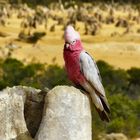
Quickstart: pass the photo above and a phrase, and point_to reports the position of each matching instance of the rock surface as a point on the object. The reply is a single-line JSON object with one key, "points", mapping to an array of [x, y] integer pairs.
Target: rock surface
{"points": [[113, 136], [18, 104], [67, 115]]}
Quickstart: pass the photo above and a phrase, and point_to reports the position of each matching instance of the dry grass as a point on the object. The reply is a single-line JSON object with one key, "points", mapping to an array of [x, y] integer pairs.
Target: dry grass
{"points": [[120, 50]]}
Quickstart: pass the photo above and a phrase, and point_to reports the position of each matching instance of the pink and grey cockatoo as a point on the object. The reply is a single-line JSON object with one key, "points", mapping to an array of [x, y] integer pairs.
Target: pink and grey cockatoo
{"points": [[83, 71]]}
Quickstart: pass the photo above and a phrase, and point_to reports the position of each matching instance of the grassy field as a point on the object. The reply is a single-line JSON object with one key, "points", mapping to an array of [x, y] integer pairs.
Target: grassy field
{"points": [[120, 50]]}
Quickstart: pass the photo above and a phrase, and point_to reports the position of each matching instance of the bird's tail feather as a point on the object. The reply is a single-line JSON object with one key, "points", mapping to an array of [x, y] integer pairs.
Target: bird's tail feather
{"points": [[101, 106], [103, 115], [105, 104]]}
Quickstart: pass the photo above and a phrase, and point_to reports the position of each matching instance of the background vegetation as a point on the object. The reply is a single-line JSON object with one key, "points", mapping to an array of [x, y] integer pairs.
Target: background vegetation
{"points": [[122, 88], [47, 2]]}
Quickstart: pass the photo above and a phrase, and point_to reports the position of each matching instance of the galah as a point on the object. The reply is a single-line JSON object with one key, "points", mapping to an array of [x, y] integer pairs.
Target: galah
{"points": [[83, 71]]}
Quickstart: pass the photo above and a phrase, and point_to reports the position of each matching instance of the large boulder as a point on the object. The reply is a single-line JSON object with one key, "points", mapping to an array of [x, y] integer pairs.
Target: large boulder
{"points": [[20, 112], [67, 115]]}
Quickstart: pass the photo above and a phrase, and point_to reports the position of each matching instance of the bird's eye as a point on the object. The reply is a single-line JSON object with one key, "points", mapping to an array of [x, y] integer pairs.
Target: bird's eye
{"points": [[73, 42]]}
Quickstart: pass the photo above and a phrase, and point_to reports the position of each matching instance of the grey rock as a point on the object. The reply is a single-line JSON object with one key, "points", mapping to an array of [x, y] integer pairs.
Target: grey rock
{"points": [[67, 115], [20, 112], [113, 136], [62, 114]]}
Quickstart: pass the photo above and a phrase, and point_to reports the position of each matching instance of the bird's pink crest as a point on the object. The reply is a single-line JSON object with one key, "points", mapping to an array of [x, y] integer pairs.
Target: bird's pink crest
{"points": [[70, 34]]}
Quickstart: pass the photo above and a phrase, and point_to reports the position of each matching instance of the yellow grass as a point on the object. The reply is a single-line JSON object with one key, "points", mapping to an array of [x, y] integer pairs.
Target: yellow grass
{"points": [[121, 51]]}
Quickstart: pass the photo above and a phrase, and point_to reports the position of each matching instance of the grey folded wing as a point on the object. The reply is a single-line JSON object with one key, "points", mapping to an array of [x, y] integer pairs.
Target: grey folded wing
{"points": [[90, 71]]}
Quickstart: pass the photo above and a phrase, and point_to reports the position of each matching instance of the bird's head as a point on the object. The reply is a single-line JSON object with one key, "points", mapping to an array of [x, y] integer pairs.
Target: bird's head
{"points": [[72, 38], [70, 35]]}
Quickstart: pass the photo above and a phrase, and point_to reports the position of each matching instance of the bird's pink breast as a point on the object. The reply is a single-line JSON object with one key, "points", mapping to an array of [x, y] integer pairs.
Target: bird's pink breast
{"points": [[72, 64]]}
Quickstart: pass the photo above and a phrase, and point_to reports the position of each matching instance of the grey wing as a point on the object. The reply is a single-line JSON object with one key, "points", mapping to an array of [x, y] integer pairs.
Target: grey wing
{"points": [[91, 72]]}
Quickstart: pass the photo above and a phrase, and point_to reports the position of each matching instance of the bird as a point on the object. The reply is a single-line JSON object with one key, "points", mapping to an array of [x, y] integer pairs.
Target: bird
{"points": [[82, 70]]}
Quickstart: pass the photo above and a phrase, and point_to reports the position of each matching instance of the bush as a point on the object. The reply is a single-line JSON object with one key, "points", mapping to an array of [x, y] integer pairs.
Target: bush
{"points": [[134, 76], [53, 76], [12, 72], [115, 81], [124, 115]]}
